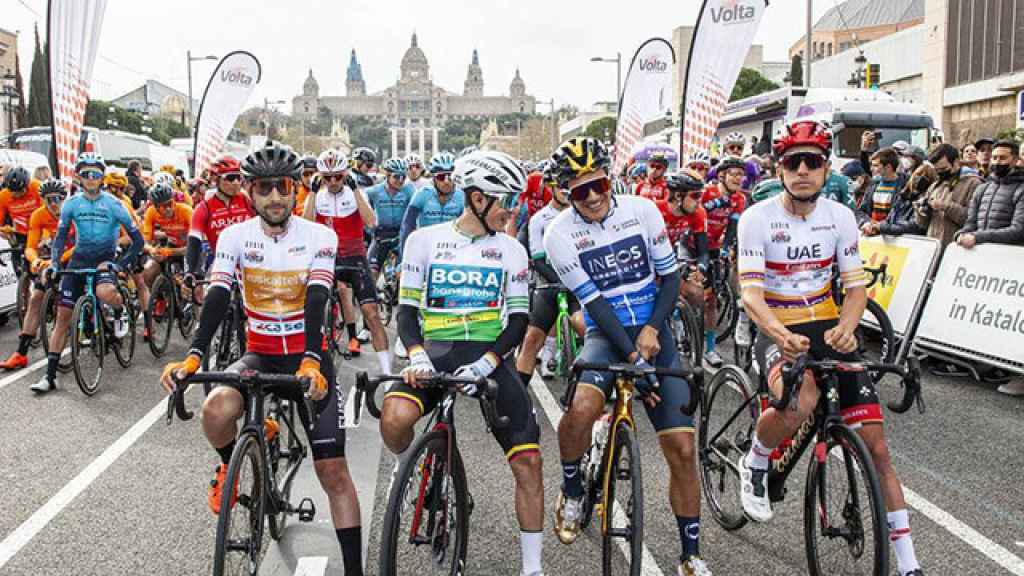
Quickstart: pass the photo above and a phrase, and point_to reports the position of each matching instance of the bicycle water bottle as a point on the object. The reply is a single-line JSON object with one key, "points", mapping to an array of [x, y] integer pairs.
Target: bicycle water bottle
{"points": [[599, 434]]}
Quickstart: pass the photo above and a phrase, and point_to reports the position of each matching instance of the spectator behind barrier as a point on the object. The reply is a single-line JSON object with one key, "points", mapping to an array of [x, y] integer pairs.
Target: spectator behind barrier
{"points": [[138, 191], [882, 192], [943, 211], [984, 147], [900, 219], [859, 180], [996, 211]]}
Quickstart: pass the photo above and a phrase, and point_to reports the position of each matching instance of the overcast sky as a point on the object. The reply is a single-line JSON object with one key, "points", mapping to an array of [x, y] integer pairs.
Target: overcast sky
{"points": [[550, 42]]}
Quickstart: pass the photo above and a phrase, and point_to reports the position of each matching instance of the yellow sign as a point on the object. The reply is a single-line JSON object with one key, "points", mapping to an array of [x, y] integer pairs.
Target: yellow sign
{"points": [[875, 254]]}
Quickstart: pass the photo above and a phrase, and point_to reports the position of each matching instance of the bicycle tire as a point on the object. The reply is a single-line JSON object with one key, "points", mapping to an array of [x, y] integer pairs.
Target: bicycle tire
{"points": [[47, 324], [83, 347], [728, 312], [432, 443], [253, 500], [861, 465], [187, 319], [160, 325], [876, 316], [283, 466], [632, 511], [689, 328], [124, 348], [717, 462], [24, 293], [567, 353]]}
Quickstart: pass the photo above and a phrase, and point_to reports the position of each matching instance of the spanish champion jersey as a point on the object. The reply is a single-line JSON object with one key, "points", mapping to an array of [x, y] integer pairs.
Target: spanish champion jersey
{"points": [[791, 258], [539, 223], [274, 274], [463, 286], [618, 258], [340, 213]]}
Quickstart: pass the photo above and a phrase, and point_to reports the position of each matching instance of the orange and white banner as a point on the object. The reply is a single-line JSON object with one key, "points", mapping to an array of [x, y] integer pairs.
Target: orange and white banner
{"points": [[725, 30], [229, 88], [646, 96], [73, 30]]}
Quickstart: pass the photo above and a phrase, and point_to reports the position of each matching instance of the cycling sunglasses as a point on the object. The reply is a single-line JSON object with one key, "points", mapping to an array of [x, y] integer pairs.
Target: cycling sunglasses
{"points": [[582, 192], [812, 160], [308, 173], [694, 195], [284, 186], [334, 177], [54, 199], [232, 177], [699, 167], [399, 177], [90, 174], [442, 177]]}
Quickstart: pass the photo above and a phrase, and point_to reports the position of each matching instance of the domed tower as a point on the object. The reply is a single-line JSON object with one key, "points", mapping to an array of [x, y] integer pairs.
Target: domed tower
{"points": [[474, 85], [518, 88], [415, 67], [354, 83], [310, 88]]}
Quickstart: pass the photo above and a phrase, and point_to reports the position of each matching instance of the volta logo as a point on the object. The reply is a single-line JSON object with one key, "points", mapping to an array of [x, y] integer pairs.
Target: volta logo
{"points": [[653, 64], [237, 76], [733, 12]]}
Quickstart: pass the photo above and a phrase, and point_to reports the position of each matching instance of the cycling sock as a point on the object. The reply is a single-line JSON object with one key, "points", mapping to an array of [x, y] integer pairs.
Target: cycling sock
{"points": [[384, 357], [709, 341], [351, 329], [24, 341], [525, 378], [572, 480], [351, 541], [531, 544], [225, 452], [689, 535], [52, 359], [758, 455], [902, 544]]}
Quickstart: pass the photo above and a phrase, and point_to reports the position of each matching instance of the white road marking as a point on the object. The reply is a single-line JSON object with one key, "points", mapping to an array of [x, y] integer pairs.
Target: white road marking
{"points": [[21, 536], [25, 371], [311, 566], [554, 414], [1021, 544]]}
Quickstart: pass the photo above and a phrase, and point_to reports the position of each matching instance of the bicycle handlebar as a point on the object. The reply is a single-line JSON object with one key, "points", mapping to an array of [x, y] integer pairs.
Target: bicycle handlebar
{"points": [[633, 371], [487, 393], [792, 376], [245, 380]]}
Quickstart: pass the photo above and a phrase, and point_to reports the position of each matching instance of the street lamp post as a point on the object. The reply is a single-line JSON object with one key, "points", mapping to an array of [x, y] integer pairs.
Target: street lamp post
{"points": [[266, 110], [618, 75], [191, 59]]}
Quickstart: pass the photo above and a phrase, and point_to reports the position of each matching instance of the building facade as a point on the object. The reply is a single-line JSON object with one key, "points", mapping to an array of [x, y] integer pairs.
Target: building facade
{"points": [[157, 99], [856, 22], [8, 69]]}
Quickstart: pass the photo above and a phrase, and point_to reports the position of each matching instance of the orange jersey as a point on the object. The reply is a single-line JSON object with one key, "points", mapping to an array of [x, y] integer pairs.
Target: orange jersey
{"points": [[42, 227], [300, 200], [20, 209], [176, 227]]}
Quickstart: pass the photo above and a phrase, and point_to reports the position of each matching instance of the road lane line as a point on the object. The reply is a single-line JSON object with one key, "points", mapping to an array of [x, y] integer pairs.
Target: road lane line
{"points": [[554, 414], [21, 536], [24, 372], [311, 566]]}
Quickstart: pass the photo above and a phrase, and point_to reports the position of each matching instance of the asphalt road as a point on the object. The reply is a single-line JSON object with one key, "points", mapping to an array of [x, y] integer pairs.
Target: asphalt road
{"points": [[102, 486]]}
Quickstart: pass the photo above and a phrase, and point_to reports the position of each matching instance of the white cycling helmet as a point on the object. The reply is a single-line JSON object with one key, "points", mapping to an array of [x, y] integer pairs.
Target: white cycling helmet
{"points": [[735, 138], [493, 173], [332, 161], [163, 178], [700, 157], [414, 160]]}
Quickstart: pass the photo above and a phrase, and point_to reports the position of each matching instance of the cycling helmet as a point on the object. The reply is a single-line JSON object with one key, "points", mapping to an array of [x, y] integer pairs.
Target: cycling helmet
{"points": [[442, 163], [17, 179], [577, 157], [619, 187], [332, 161], [395, 166], [364, 155], [529, 167], [90, 160], [115, 180], [658, 157], [273, 161], [225, 165], [163, 178], [413, 160], [639, 170], [735, 138], [731, 162], [467, 151], [684, 181], [700, 157], [53, 187], [804, 133], [160, 194], [496, 175], [308, 162]]}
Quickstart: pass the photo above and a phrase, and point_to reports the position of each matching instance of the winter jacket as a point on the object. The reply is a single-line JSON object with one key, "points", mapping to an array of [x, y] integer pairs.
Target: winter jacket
{"points": [[996, 212], [138, 191], [956, 194], [867, 204], [900, 219]]}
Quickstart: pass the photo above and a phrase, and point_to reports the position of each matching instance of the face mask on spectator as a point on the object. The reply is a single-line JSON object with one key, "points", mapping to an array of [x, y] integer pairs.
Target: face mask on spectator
{"points": [[944, 175], [1000, 170]]}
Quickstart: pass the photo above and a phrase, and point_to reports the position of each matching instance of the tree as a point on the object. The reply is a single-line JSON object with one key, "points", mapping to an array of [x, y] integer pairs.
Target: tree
{"points": [[751, 83], [20, 114], [101, 114], [603, 129], [38, 113], [796, 71]]}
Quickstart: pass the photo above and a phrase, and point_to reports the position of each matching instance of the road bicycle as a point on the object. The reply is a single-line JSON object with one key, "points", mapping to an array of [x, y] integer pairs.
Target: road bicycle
{"points": [[688, 326], [262, 467], [387, 282], [426, 523], [566, 346], [228, 342], [166, 306], [725, 296]]}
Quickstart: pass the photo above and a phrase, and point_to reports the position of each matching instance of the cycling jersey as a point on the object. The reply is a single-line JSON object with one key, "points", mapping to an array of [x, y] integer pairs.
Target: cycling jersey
{"points": [[752, 174], [274, 274], [420, 183], [176, 227], [98, 224], [214, 215], [431, 211], [20, 209], [539, 223], [464, 287], [718, 219], [389, 206], [362, 180], [340, 212], [837, 187], [791, 258], [42, 228], [617, 258], [301, 194], [682, 228], [656, 191]]}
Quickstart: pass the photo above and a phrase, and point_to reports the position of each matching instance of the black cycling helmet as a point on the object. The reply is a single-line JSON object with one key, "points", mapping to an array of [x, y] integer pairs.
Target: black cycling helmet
{"points": [[683, 182], [273, 161], [160, 193], [52, 187], [16, 179], [309, 162], [364, 155], [731, 162]]}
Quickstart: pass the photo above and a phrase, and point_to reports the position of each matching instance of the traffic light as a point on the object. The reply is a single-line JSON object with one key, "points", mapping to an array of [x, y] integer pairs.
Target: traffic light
{"points": [[872, 76]]}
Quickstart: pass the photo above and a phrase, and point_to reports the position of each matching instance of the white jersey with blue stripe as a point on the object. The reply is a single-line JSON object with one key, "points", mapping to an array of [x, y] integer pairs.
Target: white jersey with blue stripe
{"points": [[618, 258]]}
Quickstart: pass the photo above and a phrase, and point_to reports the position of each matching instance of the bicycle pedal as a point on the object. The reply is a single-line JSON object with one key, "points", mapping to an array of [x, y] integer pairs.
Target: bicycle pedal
{"points": [[306, 510]]}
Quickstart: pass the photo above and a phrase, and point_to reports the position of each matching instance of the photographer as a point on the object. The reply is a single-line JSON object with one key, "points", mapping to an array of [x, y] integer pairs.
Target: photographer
{"points": [[943, 210]]}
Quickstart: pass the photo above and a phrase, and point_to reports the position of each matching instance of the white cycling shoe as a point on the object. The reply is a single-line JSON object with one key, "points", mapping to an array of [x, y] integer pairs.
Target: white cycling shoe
{"points": [[43, 386], [754, 492]]}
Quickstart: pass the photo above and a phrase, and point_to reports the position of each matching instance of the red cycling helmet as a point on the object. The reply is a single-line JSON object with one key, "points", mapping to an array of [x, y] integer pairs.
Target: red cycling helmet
{"points": [[804, 133], [226, 165]]}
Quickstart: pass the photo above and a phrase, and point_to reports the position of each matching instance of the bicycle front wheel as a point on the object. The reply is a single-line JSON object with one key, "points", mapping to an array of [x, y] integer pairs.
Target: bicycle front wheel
{"points": [[845, 527], [124, 348], [87, 345], [567, 353], [728, 311], [47, 325], [239, 547], [161, 315], [623, 508], [284, 454], [426, 526]]}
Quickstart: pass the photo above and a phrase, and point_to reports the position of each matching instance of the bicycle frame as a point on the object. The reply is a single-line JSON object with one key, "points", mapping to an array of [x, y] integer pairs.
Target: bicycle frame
{"points": [[622, 414], [563, 313]]}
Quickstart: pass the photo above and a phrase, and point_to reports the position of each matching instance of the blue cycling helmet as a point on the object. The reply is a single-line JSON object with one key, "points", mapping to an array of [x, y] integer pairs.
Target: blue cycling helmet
{"points": [[442, 163], [395, 166], [90, 160], [638, 171]]}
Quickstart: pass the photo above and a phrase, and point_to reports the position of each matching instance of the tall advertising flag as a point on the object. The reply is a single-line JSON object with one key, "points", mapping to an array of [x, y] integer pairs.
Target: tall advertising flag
{"points": [[725, 30], [73, 31], [229, 88], [647, 96]]}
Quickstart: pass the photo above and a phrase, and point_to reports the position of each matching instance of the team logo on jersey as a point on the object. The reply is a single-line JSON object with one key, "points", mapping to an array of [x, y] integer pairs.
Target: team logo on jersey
{"points": [[256, 245], [584, 243], [491, 254], [444, 255], [624, 262], [803, 252], [781, 237], [327, 252], [522, 275], [464, 287], [254, 256], [297, 250], [851, 250], [661, 238]]}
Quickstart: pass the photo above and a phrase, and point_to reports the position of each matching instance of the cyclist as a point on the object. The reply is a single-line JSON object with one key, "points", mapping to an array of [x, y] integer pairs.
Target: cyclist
{"points": [[544, 305], [700, 163], [687, 223], [42, 227], [787, 247], [306, 183], [415, 172], [345, 209], [363, 160], [653, 188], [98, 219], [837, 188], [389, 201], [117, 185], [461, 276], [611, 251], [734, 144], [225, 205], [637, 175], [286, 265], [724, 201], [165, 228], [18, 200], [440, 202]]}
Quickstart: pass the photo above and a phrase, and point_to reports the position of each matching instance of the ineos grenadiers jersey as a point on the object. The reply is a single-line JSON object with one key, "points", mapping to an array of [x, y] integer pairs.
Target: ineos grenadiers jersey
{"points": [[274, 274], [539, 223], [464, 287], [618, 258], [390, 209], [791, 258]]}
